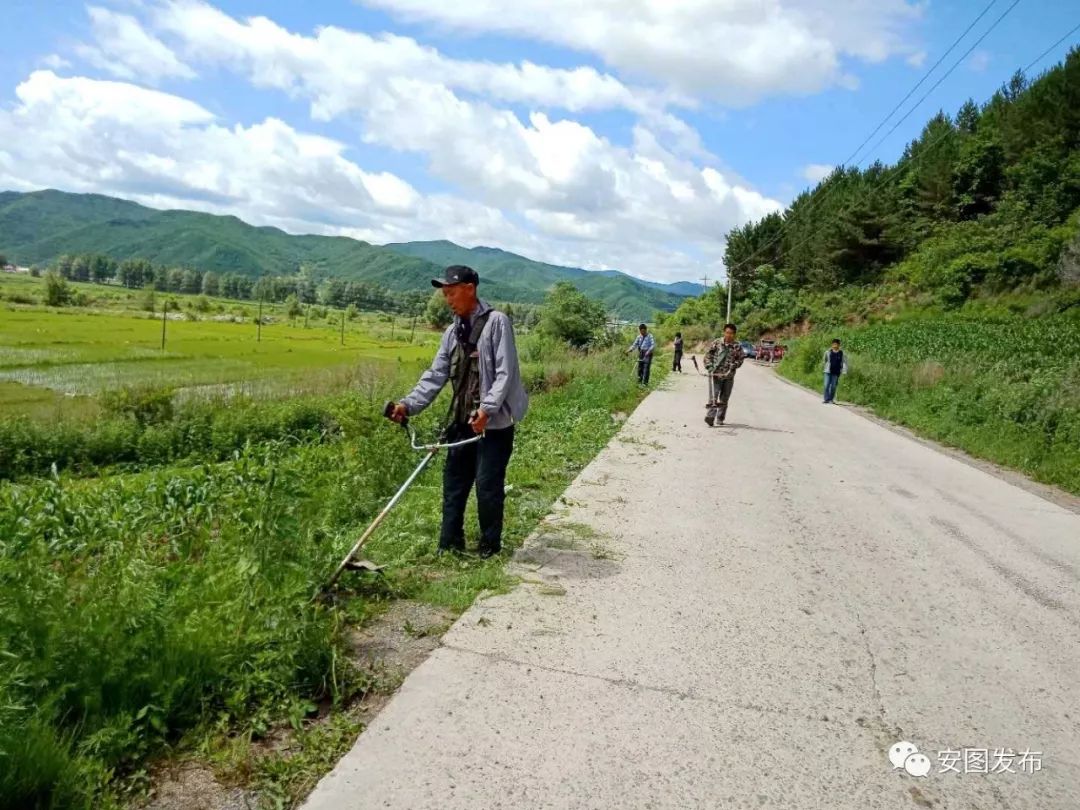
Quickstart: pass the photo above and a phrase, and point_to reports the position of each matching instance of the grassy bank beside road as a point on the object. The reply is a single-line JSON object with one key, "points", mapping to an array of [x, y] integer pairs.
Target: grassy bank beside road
{"points": [[995, 384], [143, 614]]}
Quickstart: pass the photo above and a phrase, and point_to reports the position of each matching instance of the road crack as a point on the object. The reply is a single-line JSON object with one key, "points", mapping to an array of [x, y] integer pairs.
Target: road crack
{"points": [[628, 683]]}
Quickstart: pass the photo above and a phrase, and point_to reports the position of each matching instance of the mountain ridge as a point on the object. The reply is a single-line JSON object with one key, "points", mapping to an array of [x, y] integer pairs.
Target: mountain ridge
{"points": [[39, 226]]}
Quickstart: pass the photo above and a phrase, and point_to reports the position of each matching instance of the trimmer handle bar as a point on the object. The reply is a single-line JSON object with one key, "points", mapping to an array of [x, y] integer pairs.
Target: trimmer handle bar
{"points": [[440, 444]]}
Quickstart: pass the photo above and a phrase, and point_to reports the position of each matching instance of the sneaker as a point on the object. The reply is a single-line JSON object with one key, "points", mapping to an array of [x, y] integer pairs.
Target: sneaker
{"points": [[709, 421], [487, 553]]}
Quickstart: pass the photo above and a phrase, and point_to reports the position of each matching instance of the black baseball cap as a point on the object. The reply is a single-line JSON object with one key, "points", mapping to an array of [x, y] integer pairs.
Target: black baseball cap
{"points": [[456, 274]]}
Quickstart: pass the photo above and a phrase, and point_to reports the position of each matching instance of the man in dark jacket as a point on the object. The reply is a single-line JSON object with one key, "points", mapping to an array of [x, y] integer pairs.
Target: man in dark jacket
{"points": [[477, 355], [676, 364], [835, 365], [722, 360]]}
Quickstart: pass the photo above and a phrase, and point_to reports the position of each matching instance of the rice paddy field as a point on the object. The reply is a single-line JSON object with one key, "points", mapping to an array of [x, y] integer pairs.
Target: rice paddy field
{"points": [[54, 361]]}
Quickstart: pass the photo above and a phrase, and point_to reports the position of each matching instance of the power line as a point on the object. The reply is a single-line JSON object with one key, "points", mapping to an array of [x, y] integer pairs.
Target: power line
{"points": [[927, 148], [822, 192], [918, 84], [948, 73], [1044, 53], [831, 187]]}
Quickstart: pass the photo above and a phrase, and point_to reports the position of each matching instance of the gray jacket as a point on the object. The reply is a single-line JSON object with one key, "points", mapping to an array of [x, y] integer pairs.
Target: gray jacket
{"points": [[843, 368], [502, 394]]}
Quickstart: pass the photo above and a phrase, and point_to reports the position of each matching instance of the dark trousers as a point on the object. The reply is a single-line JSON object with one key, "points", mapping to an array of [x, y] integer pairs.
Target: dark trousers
{"points": [[483, 463], [830, 386], [676, 364], [644, 365], [720, 393]]}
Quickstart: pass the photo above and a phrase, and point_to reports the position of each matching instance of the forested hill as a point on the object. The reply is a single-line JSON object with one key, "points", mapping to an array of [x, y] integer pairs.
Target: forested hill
{"points": [[984, 201], [526, 280], [40, 227]]}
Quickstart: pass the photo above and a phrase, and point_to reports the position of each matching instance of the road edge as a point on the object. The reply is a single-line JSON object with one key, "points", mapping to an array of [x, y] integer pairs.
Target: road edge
{"points": [[1047, 492]]}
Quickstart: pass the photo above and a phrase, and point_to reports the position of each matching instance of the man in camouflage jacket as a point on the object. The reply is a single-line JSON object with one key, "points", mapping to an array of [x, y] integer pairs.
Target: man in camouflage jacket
{"points": [[722, 360]]}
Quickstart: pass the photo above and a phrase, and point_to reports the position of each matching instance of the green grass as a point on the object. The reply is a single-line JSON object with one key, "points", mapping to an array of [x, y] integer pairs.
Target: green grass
{"points": [[144, 614], [49, 356], [996, 384]]}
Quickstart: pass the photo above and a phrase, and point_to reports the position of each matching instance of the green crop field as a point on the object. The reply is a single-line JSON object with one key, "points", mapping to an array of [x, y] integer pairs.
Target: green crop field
{"points": [[51, 359], [166, 518], [1003, 387]]}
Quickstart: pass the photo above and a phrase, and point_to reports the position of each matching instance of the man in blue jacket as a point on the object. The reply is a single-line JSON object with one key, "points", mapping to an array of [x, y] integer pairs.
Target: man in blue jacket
{"points": [[478, 357], [645, 345]]}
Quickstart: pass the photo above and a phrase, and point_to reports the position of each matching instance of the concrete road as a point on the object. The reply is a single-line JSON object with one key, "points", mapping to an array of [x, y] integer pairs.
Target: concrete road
{"points": [[752, 616]]}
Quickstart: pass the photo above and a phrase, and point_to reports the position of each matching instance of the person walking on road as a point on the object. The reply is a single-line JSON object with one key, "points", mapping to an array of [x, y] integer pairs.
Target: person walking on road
{"points": [[676, 364], [645, 345], [722, 360], [835, 365], [478, 357]]}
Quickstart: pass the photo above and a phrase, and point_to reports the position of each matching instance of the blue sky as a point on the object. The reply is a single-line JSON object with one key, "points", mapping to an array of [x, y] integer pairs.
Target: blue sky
{"points": [[629, 134]]}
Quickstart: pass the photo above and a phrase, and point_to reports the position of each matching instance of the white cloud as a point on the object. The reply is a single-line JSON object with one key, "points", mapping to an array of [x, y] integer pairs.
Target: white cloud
{"points": [[736, 51], [55, 61], [917, 59], [126, 50], [849, 81], [816, 172], [567, 181], [979, 61], [164, 150], [340, 69], [168, 152], [81, 101], [540, 184]]}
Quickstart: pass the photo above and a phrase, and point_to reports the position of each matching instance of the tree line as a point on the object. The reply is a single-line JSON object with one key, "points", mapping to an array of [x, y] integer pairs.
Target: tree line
{"points": [[985, 198], [295, 292], [141, 274]]}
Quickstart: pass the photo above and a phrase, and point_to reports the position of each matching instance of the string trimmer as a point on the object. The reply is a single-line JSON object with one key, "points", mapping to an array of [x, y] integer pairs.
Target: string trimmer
{"points": [[708, 376], [351, 564]]}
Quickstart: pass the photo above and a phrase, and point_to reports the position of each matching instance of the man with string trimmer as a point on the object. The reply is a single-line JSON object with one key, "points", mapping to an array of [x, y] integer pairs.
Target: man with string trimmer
{"points": [[645, 345], [478, 357], [722, 360]]}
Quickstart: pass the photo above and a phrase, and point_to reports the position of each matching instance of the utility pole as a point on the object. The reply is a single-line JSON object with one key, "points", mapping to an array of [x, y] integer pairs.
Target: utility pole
{"points": [[164, 312], [258, 334], [730, 284], [307, 311], [391, 327], [342, 327]]}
